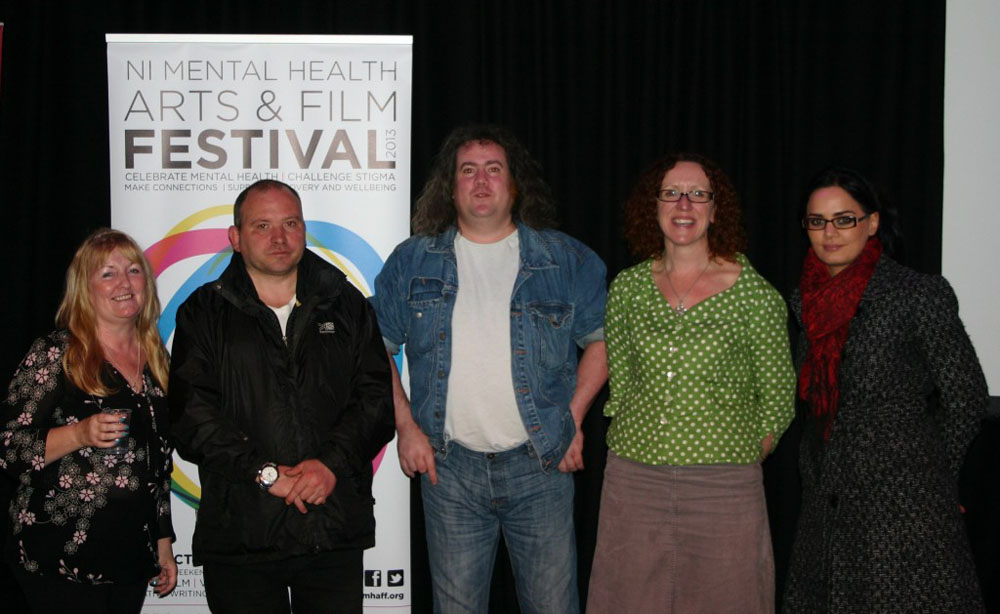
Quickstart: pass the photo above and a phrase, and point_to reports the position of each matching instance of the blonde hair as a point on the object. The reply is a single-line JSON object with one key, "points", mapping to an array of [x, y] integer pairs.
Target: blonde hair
{"points": [[84, 360]]}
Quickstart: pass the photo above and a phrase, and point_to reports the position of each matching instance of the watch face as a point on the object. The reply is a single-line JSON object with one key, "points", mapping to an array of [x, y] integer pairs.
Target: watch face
{"points": [[269, 475]]}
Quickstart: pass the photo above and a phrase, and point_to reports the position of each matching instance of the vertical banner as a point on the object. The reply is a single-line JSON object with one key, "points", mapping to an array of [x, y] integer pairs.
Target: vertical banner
{"points": [[193, 120]]}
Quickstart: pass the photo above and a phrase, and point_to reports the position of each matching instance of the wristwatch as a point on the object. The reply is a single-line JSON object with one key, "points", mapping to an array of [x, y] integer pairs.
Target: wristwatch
{"points": [[267, 475]]}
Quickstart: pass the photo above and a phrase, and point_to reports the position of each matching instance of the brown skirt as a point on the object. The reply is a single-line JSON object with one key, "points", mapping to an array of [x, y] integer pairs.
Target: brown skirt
{"points": [[682, 539]]}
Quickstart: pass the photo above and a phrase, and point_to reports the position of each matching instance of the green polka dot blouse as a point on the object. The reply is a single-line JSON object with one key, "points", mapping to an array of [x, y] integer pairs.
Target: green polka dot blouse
{"points": [[700, 388]]}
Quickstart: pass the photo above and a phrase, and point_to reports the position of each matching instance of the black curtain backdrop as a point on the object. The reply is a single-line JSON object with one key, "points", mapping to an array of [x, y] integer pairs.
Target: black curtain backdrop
{"points": [[773, 90]]}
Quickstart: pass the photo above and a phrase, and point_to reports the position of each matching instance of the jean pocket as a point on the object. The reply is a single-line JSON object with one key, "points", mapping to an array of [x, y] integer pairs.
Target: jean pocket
{"points": [[424, 300], [553, 322]]}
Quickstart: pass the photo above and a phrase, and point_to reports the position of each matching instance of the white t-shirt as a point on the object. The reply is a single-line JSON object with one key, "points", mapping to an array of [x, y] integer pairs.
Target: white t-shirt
{"points": [[283, 313], [481, 410]]}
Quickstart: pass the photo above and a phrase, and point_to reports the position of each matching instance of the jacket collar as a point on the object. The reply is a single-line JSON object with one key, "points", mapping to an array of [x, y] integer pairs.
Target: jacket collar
{"points": [[533, 249], [881, 280], [315, 277]]}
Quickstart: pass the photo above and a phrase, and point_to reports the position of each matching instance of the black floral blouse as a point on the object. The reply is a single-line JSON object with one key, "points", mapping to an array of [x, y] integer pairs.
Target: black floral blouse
{"points": [[90, 517]]}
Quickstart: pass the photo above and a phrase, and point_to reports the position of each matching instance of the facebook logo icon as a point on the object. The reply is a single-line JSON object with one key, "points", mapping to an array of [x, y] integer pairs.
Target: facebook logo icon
{"points": [[373, 577]]}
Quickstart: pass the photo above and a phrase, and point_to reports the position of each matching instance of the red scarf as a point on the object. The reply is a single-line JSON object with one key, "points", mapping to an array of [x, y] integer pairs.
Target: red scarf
{"points": [[828, 304]]}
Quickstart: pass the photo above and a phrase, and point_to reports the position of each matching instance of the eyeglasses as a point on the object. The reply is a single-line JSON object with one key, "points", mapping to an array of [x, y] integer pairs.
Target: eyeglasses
{"points": [[672, 195], [841, 222]]}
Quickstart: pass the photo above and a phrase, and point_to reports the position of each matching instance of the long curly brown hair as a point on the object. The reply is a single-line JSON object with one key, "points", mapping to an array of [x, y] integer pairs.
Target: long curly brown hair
{"points": [[726, 235], [435, 210]]}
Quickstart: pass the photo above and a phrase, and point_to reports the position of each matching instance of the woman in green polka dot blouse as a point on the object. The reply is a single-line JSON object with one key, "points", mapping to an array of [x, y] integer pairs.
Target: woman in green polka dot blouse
{"points": [[702, 386]]}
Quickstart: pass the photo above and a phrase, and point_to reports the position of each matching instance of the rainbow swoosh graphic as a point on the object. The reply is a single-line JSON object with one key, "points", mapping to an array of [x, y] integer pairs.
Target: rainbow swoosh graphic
{"points": [[186, 240]]}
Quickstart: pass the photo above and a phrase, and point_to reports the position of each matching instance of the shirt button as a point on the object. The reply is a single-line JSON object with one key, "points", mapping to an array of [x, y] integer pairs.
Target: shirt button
{"points": [[441, 373], [664, 421], [442, 335], [670, 375], [420, 314]]}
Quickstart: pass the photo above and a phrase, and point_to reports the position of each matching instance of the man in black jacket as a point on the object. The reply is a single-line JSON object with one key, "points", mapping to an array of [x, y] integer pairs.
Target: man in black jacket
{"points": [[280, 392]]}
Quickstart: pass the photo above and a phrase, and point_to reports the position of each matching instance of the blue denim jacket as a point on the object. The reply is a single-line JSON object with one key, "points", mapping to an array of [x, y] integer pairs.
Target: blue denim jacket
{"points": [[558, 297]]}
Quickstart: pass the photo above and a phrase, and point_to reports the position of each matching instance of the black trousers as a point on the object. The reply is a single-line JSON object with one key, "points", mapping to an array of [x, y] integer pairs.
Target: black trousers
{"points": [[325, 583], [45, 595]]}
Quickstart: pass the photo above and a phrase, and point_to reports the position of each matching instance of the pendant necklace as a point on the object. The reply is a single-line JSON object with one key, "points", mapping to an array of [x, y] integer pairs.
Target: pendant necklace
{"points": [[138, 366], [680, 309]]}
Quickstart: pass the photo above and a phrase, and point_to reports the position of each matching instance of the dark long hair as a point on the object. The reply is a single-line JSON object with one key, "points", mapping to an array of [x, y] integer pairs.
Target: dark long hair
{"points": [[435, 210], [866, 195]]}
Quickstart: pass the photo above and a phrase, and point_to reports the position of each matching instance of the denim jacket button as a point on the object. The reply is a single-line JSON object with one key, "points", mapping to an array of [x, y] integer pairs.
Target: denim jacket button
{"points": [[420, 314], [442, 335]]}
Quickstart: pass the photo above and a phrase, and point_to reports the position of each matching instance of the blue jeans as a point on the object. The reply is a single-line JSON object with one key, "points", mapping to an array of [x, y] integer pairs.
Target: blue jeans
{"points": [[477, 496]]}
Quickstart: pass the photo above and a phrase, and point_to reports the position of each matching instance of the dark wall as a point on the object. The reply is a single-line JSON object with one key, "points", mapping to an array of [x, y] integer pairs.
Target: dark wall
{"points": [[772, 89]]}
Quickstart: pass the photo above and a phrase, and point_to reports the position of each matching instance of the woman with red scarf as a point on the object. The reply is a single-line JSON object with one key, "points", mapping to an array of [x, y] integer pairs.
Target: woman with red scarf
{"points": [[894, 395]]}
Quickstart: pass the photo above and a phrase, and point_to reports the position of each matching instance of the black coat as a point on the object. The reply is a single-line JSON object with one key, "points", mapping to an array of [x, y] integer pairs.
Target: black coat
{"points": [[240, 396], [880, 527]]}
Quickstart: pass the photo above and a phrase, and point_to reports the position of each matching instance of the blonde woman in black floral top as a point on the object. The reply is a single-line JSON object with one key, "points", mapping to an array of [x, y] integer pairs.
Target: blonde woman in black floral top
{"points": [[91, 527]]}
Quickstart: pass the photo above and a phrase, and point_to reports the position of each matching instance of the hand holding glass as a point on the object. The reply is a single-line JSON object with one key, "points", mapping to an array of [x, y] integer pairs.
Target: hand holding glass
{"points": [[125, 417]]}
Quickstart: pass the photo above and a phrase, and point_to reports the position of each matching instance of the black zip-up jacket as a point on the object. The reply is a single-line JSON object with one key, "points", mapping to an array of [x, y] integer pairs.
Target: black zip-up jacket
{"points": [[241, 395]]}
